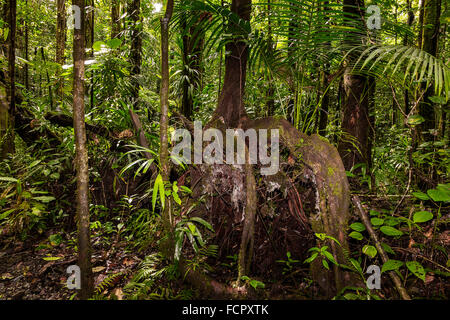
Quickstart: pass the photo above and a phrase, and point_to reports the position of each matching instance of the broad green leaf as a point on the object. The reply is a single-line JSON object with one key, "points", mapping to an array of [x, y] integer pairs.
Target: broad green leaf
{"points": [[377, 221], [420, 195], [311, 259], [351, 296], [439, 195], [422, 216], [97, 46], [6, 213], [35, 162], [358, 226], [415, 119], [114, 43], [162, 193], [158, 181], [257, 284], [329, 256], [325, 264], [391, 265], [369, 250], [391, 221], [176, 198], [356, 265], [417, 269], [204, 223], [387, 248], [356, 235], [391, 231]]}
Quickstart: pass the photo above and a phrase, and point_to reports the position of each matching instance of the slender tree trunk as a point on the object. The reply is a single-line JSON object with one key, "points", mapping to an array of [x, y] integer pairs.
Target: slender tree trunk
{"points": [[50, 95], [136, 46], [271, 88], [353, 146], [60, 43], [115, 15], [90, 29], [430, 40], [406, 42], [164, 121], [81, 160], [193, 41], [231, 101], [27, 85], [293, 25], [8, 93], [420, 26], [323, 116]]}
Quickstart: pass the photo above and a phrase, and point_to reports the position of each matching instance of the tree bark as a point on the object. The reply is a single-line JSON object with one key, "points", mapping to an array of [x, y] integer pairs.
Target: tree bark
{"points": [[193, 41], [26, 69], [7, 94], [406, 41], [231, 101], [324, 83], [134, 7], [271, 88], [115, 15], [81, 160], [353, 145], [430, 39], [164, 120], [60, 43]]}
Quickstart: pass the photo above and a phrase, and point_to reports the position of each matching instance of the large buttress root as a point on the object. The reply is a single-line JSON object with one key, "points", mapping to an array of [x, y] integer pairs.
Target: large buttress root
{"points": [[311, 195], [323, 166]]}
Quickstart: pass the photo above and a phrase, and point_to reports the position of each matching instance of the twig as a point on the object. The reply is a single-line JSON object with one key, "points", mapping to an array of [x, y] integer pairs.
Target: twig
{"points": [[365, 219], [423, 257]]}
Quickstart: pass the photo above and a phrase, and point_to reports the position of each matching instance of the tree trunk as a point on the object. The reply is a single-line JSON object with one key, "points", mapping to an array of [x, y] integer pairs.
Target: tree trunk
{"points": [[231, 101], [27, 85], [406, 42], [81, 160], [7, 94], [353, 145], [193, 41], [134, 7], [430, 39], [60, 43], [89, 44], [50, 95], [271, 88], [115, 15], [167, 246], [293, 25], [324, 83]]}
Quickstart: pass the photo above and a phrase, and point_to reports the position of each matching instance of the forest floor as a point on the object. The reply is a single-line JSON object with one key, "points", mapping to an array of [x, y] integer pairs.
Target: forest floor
{"points": [[36, 269]]}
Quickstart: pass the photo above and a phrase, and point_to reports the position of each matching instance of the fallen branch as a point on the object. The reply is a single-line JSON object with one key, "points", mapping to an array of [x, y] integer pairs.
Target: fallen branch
{"points": [[209, 287], [365, 219]]}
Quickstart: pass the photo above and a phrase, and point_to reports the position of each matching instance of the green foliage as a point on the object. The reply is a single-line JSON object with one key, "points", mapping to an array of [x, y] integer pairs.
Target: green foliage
{"points": [[255, 284], [288, 264]]}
